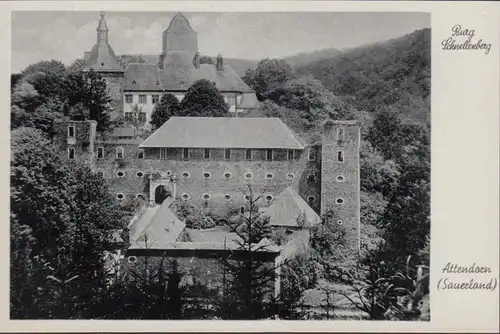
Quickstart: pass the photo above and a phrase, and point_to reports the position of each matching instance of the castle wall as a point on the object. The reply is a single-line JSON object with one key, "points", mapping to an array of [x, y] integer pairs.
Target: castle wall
{"points": [[114, 82], [348, 188], [80, 140]]}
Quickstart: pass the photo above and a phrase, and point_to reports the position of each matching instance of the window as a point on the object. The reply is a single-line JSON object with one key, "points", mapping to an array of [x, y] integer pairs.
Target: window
{"points": [[163, 153], [185, 175], [227, 154], [312, 154], [155, 98], [100, 152], [227, 175], [269, 176], [71, 153], [311, 199], [340, 134], [340, 156], [227, 197], [185, 153], [185, 197], [290, 154], [168, 173], [206, 153], [140, 196], [129, 98], [139, 174], [248, 175], [248, 154], [242, 209], [311, 177], [206, 197], [142, 99], [133, 82], [206, 175], [120, 174], [269, 154], [120, 196], [269, 198], [339, 222], [339, 200], [340, 178], [132, 259], [71, 131], [140, 154], [119, 153], [290, 176]]}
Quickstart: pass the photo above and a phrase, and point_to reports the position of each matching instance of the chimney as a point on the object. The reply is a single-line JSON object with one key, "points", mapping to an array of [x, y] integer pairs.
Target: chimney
{"points": [[196, 60], [161, 60], [220, 63]]}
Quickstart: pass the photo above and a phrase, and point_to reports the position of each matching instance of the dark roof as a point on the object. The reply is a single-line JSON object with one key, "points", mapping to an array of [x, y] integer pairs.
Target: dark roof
{"points": [[179, 75], [179, 23], [102, 58], [224, 132]]}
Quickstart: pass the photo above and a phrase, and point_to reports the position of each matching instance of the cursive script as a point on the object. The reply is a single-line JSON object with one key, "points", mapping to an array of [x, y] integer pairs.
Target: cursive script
{"points": [[463, 39]]}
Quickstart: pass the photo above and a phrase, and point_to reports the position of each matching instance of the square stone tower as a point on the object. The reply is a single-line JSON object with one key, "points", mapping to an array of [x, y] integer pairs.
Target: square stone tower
{"points": [[340, 176], [75, 140]]}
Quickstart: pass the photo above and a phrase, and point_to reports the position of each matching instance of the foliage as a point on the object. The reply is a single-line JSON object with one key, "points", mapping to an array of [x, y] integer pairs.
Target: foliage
{"points": [[193, 217], [166, 108], [206, 60], [46, 67], [203, 99], [136, 118], [267, 76]]}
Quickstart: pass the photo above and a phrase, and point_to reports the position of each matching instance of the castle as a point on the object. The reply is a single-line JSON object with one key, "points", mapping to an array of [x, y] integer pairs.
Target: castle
{"points": [[210, 161], [177, 68]]}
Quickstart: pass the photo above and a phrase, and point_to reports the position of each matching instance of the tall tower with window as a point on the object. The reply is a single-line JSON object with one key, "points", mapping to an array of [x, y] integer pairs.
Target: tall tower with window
{"points": [[340, 176], [102, 60], [75, 140]]}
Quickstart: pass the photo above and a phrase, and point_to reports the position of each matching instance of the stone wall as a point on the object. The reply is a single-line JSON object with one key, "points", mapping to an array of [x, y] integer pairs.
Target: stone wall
{"points": [[82, 141], [114, 82], [340, 179]]}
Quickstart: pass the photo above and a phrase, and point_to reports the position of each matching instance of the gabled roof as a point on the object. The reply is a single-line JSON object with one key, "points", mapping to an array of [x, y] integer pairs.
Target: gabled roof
{"points": [[161, 226], [288, 207], [179, 75], [102, 58], [224, 132]]}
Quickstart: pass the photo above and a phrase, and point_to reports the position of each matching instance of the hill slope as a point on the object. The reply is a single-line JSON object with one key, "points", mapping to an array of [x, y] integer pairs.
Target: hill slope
{"points": [[385, 73]]}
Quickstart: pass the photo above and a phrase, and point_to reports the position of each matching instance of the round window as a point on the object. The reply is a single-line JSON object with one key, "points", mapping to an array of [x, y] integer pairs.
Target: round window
{"points": [[227, 197], [339, 222], [290, 176], [311, 177], [269, 176], [339, 200], [132, 259], [139, 174], [169, 173], [227, 175], [269, 198], [185, 197], [340, 178], [120, 174], [185, 175], [248, 175], [206, 175], [120, 196], [140, 196], [311, 199], [206, 197]]}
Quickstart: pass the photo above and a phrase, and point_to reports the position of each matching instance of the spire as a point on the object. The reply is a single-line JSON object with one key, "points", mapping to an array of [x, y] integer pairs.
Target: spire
{"points": [[102, 30]]}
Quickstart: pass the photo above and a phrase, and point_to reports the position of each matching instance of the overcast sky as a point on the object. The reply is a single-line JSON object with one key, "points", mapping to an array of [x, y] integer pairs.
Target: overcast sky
{"points": [[66, 35]]}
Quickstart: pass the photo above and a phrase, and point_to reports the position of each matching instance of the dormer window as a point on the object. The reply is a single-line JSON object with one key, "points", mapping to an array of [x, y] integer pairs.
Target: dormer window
{"points": [[227, 154], [248, 154], [71, 131], [290, 155], [206, 153], [185, 153], [133, 82]]}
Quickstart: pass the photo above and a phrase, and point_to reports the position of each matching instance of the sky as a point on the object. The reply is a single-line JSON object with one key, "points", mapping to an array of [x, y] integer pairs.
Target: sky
{"points": [[65, 36]]}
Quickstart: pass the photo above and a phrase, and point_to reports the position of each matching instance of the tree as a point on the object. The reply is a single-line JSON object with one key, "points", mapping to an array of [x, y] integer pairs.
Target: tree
{"points": [[168, 107], [267, 76], [206, 60], [203, 99], [136, 118], [249, 282], [46, 67]]}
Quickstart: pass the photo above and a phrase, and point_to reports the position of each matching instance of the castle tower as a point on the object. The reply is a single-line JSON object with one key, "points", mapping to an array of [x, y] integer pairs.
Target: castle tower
{"points": [[75, 140], [340, 180], [102, 59], [180, 41]]}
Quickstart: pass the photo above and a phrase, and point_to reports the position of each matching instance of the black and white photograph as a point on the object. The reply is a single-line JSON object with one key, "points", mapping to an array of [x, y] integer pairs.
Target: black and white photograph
{"points": [[220, 165]]}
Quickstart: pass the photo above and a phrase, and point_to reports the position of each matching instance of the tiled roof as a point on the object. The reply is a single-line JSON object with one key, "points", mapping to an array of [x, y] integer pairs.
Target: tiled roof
{"points": [[216, 235], [288, 207], [179, 75], [162, 226], [102, 58], [264, 246], [224, 132]]}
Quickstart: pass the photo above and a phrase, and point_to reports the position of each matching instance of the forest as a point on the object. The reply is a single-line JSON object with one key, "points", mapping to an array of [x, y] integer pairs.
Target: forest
{"points": [[59, 231]]}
